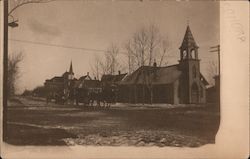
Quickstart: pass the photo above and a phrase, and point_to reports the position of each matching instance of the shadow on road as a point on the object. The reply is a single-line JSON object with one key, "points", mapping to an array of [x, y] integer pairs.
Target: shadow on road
{"points": [[30, 135]]}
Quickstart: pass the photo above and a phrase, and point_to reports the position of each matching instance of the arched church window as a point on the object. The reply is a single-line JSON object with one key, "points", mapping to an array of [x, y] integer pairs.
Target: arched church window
{"points": [[184, 54], [194, 71], [193, 54]]}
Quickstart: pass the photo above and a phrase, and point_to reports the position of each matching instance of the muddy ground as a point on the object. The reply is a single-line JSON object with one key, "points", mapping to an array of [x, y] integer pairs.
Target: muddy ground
{"points": [[32, 122]]}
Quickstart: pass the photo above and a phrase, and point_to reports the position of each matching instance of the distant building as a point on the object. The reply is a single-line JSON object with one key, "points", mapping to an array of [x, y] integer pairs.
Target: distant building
{"points": [[213, 93], [61, 85], [180, 83], [112, 82], [86, 83], [68, 87]]}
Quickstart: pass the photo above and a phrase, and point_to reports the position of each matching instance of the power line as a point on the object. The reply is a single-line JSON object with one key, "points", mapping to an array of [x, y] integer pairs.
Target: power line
{"points": [[70, 47], [57, 45], [76, 48]]}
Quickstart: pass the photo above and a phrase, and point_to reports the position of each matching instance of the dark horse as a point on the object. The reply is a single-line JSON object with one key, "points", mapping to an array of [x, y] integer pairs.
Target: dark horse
{"points": [[82, 96], [107, 96], [102, 98]]}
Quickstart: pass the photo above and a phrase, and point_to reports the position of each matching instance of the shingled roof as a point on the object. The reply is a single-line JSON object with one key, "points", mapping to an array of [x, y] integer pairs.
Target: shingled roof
{"points": [[113, 78], [154, 75], [188, 39], [86, 77], [56, 79], [87, 84]]}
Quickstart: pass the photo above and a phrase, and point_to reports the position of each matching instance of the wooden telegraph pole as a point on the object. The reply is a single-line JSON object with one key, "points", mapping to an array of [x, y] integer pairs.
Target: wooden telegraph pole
{"points": [[5, 70], [217, 77], [13, 24], [217, 50]]}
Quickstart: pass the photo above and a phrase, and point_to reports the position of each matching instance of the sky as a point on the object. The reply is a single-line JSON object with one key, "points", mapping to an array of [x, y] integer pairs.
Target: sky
{"points": [[97, 24]]}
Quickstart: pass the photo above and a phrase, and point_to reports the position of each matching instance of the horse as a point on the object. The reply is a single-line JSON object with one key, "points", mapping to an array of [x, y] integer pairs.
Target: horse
{"points": [[107, 97], [82, 96]]}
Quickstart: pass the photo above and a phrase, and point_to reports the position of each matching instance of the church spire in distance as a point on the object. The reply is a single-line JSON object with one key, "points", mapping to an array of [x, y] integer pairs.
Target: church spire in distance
{"points": [[71, 68]]}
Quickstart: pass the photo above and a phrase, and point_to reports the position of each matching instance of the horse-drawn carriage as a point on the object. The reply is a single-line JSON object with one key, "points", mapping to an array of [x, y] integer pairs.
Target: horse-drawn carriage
{"points": [[95, 96], [57, 96], [86, 96]]}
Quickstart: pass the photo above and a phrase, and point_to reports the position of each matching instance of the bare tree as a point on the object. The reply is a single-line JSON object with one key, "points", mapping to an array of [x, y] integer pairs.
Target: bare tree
{"points": [[13, 72], [96, 67], [140, 39], [212, 71], [133, 63], [145, 46], [164, 52], [154, 39], [111, 58], [136, 49], [14, 4], [109, 64]]}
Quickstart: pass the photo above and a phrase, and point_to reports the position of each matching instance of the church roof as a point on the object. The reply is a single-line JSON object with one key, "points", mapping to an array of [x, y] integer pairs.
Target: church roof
{"points": [[55, 79], [154, 75], [65, 74], [203, 79], [188, 39]]}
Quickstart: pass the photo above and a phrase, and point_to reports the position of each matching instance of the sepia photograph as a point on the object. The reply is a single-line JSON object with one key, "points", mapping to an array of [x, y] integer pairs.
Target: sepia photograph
{"points": [[112, 73]]}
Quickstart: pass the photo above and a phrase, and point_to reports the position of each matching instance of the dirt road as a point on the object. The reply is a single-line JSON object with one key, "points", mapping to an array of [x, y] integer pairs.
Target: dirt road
{"points": [[32, 122]]}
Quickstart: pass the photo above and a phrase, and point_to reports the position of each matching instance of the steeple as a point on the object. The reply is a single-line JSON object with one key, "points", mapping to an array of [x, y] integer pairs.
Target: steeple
{"points": [[189, 48], [71, 68], [190, 82], [188, 40]]}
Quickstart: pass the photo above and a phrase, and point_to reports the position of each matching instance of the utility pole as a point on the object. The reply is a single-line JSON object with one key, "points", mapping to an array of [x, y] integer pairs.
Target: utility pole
{"points": [[13, 24], [217, 50], [7, 24], [217, 78], [5, 70]]}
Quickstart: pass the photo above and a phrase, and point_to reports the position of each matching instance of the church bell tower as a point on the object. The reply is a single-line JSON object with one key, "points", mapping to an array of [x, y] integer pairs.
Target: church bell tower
{"points": [[190, 66]]}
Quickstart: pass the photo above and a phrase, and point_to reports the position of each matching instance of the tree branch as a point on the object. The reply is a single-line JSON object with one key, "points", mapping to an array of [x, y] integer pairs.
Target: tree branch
{"points": [[27, 2]]}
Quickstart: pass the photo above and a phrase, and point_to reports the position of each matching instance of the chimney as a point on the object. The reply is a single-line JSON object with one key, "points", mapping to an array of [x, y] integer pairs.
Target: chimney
{"points": [[155, 64], [87, 73], [119, 72]]}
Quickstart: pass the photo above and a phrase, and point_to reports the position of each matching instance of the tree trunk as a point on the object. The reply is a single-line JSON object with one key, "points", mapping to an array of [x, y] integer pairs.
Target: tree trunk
{"points": [[143, 94], [135, 94], [129, 94], [151, 95]]}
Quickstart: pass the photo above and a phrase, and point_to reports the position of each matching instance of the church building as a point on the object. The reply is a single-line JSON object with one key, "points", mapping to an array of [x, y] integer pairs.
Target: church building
{"points": [[61, 85], [181, 83]]}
